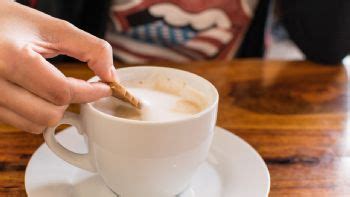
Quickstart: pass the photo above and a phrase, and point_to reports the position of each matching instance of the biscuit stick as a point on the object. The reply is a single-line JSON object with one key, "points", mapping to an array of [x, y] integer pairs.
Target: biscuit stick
{"points": [[123, 94]]}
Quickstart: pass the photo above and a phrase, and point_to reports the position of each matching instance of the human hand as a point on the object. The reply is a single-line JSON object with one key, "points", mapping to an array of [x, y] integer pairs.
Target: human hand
{"points": [[34, 93]]}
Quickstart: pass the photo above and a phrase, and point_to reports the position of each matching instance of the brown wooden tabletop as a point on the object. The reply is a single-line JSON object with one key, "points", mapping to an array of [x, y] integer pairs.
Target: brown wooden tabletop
{"points": [[293, 113]]}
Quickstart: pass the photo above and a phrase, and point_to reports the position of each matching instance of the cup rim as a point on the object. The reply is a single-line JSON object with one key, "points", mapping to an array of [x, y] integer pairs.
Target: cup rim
{"points": [[140, 122]]}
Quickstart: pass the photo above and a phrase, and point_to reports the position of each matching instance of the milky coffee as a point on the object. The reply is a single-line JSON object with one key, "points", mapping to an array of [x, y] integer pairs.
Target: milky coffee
{"points": [[162, 99]]}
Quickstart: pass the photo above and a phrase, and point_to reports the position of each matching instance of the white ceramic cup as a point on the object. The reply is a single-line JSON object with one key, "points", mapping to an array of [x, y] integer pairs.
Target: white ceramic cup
{"points": [[142, 158]]}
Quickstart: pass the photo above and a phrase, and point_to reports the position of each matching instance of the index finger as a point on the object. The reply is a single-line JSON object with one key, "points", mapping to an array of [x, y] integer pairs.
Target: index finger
{"points": [[38, 76], [74, 42]]}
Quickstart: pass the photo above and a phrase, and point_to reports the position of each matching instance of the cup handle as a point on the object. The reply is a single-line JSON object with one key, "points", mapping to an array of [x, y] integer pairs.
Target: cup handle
{"points": [[79, 160]]}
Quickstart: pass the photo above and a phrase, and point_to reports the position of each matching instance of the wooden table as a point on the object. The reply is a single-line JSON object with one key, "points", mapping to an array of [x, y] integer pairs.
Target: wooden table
{"points": [[293, 113]]}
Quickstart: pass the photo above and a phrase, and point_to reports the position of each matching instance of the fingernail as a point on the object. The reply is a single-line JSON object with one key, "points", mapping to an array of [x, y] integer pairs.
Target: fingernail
{"points": [[114, 74]]}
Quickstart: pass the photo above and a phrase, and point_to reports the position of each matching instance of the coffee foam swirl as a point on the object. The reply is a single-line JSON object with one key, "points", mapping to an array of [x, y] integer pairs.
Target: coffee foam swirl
{"points": [[192, 101], [163, 98]]}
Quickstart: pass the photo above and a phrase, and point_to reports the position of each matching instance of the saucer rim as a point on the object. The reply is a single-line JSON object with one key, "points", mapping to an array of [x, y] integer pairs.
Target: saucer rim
{"points": [[217, 130], [233, 136]]}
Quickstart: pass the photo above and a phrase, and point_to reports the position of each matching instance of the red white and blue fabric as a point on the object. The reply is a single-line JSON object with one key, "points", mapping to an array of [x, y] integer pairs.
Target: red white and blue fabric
{"points": [[177, 30]]}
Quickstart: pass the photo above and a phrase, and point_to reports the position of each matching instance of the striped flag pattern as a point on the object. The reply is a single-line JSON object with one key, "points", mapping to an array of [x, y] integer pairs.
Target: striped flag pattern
{"points": [[160, 33], [160, 41]]}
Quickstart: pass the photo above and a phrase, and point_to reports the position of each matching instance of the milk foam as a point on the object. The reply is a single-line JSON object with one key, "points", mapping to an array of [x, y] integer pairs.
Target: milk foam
{"points": [[159, 106], [162, 99], [156, 106]]}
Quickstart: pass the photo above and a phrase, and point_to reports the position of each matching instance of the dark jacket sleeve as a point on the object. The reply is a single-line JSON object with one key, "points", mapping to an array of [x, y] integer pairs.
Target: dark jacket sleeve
{"points": [[253, 43], [320, 28], [88, 15]]}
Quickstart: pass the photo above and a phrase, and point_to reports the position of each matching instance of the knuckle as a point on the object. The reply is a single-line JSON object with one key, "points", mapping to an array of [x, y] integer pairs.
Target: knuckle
{"points": [[8, 60], [54, 117], [24, 55], [62, 97], [104, 47], [28, 57], [61, 27], [64, 24], [36, 129], [28, 52]]}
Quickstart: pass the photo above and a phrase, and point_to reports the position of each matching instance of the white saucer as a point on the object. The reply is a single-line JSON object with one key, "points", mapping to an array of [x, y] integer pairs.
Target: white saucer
{"points": [[233, 168]]}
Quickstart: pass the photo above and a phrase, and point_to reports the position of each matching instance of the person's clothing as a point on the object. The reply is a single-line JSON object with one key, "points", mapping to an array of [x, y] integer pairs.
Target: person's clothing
{"points": [[89, 15], [178, 30], [320, 28], [182, 30]]}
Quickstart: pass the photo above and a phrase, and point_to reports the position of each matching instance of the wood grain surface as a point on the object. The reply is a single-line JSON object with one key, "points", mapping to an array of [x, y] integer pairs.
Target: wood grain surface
{"points": [[293, 113]]}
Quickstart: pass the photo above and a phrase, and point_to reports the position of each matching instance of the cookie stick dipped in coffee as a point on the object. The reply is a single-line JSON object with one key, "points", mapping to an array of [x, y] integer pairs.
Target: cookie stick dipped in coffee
{"points": [[123, 94]]}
